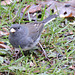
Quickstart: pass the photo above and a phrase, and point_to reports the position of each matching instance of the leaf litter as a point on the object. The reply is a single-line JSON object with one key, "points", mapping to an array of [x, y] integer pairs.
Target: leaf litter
{"points": [[64, 10]]}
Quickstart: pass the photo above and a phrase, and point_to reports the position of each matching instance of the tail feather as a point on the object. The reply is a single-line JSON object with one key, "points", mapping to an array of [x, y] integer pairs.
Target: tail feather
{"points": [[49, 18]]}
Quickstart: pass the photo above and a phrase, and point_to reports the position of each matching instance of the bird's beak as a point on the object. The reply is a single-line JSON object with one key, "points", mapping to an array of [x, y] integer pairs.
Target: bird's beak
{"points": [[12, 30]]}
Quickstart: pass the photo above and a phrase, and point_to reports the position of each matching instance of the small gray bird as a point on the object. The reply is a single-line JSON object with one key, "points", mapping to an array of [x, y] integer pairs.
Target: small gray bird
{"points": [[27, 35]]}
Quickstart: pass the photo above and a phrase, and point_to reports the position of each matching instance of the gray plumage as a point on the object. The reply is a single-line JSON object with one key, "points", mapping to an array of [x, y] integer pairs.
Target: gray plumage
{"points": [[27, 35]]}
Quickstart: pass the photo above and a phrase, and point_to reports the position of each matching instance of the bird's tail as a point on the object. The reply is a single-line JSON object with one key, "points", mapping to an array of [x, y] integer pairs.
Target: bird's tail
{"points": [[49, 18]]}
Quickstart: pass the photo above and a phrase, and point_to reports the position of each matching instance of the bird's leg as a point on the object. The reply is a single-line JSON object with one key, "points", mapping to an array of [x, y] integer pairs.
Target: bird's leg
{"points": [[44, 52]]}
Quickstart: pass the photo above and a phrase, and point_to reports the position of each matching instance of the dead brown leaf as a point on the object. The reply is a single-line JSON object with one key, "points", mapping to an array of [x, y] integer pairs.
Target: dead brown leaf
{"points": [[26, 8], [5, 29], [71, 2], [1, 42], [7, 2], [72, 67], [55, 6], [3, 33], [32, 9], [36, 71], [67, 12], [4, 46], [64, 9]]}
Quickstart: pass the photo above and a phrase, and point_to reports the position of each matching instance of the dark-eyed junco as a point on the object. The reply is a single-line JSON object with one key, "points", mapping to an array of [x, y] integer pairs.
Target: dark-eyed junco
{"points": [[27, 35]]}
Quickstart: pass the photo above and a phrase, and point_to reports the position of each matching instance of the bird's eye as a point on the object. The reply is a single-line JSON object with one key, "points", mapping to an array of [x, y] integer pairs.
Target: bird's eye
{"points": [[18, 27]]}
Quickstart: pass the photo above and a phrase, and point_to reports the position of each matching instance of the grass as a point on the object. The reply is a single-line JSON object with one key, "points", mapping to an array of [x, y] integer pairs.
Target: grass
{"points": [[59, 46]]}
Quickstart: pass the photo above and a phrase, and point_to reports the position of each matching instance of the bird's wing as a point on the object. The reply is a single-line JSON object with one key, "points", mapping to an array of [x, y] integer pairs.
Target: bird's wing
{"points": [[34, 29]]}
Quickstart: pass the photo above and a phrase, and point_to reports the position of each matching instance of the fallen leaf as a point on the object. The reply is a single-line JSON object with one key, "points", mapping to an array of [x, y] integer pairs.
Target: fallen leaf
{"points": [[1, 42], [71, 2], [36, 71], [5, 29], [54, 7], [25, 8], [7, 2], [72, 67], [64, 9], [4, 46], [3, 33], [32, 9], [67, 12], [71, 33]]}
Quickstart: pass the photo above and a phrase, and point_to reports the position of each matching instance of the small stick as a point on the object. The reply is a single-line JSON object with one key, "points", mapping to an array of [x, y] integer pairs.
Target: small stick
{"points": [[44, 52]]}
